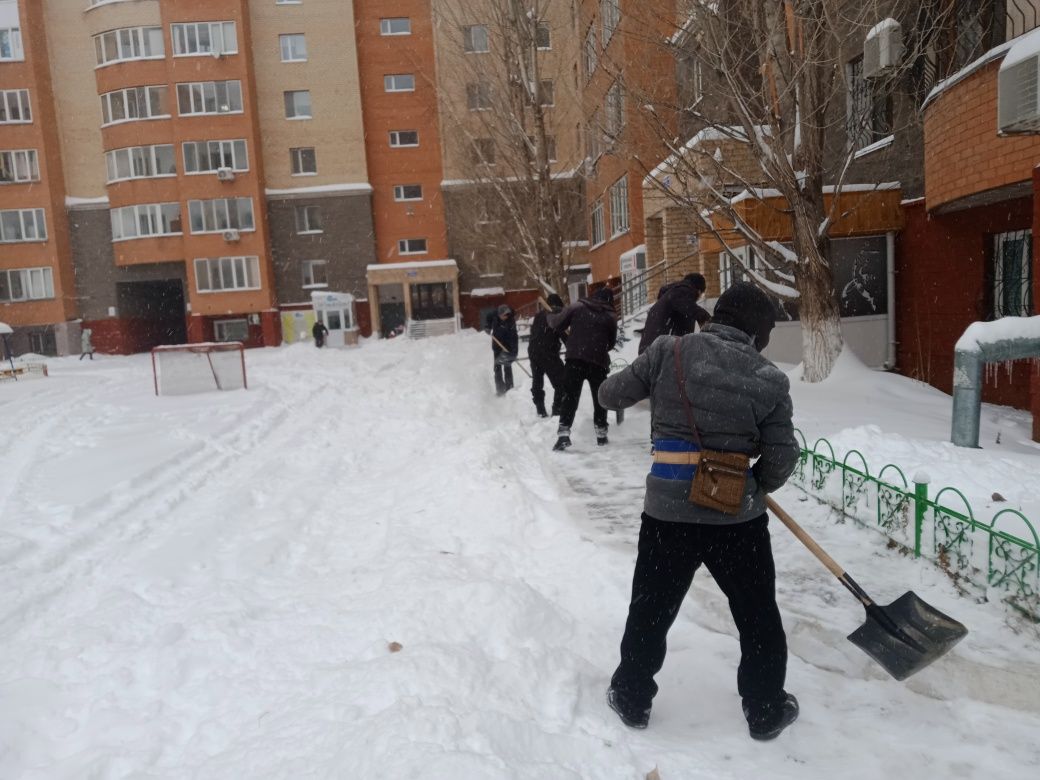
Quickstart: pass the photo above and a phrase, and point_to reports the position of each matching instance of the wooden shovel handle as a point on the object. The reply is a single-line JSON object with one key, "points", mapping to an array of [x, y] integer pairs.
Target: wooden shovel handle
{"points": [[808, 541]]}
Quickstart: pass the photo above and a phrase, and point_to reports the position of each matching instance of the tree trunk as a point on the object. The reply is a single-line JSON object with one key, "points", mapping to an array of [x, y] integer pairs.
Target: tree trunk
{"points": [[820, 316]]}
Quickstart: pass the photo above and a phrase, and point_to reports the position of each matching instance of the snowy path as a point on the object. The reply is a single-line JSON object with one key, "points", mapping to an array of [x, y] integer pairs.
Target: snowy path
{"points": [[207, 587]]}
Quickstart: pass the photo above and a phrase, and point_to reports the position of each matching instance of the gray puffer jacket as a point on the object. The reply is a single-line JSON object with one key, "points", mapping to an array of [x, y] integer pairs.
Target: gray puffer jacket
{"points": [[741, 403]]}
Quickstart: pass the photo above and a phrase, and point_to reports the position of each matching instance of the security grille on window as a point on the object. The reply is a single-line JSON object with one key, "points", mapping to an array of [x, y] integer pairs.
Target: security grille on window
{"points": [[315, 273], [308, 219], [26, 284], [478, 96], [140, 162], [14, 107], [129, 43], [220, 214], [543, 36], [211, 156], [304, 161], [610, 14], [400, 138], [146, 219], [475, 39], [209, 97], [126, 105], [412, 246], [231, 330], [18, 166], [615, 109], [298, 104], [619, 207], [546, 93], [11, 44], [294, 47], [590, 57], [399, 82], [395, 26], [484, 151], [868, 115], [1013, 274], [200, 38], [22, 225], [404, 192], [216, 274], [598, 231]]}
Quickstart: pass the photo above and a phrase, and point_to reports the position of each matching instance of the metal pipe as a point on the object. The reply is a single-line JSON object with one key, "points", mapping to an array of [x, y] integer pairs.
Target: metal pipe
{"points": [[890, 262]]}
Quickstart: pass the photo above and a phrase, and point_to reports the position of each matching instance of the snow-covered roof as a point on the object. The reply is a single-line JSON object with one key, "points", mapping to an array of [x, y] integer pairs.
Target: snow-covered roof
{"points": [[993, 54], [411, 264], [884, 24], [569, 174], [72, 201], [486, 292], [346, 187], [762, 194], [631, 252], [980, 334], [723, 133]]}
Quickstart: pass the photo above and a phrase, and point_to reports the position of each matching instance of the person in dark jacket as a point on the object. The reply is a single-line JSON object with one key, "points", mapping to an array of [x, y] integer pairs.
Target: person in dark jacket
{"points": [[593, 333], [740, 402], [676, 311], [504, 347], [544, 351], [320, 332]]}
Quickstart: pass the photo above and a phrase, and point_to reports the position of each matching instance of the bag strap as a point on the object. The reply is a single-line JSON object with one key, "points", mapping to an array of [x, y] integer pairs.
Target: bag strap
{"points": [[682, 393]]}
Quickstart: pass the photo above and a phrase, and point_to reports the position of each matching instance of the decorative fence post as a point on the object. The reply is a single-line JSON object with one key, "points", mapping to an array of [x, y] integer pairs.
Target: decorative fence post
{"points": [[921, 481]]}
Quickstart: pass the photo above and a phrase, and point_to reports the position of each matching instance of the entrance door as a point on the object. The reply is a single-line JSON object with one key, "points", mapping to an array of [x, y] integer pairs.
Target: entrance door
{"points": [[154, 311], [391, 310], [333, 319]]}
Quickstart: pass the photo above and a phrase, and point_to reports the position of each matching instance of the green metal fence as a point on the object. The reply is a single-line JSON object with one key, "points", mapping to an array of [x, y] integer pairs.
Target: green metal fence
{"points": [[999, 559]]}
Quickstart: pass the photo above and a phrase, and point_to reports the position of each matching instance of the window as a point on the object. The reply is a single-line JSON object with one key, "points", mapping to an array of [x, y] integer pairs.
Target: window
{"points": [[129, 43], [404, 192], [217, 274], [22, 225], [199, 38], [550, 146], [610, 15], [543, 36], [868, 107], [18, 166], [395, 26], [475, 39], [433, 301], [590, 57], [412, 246], [14, 106], [484, 151], [399, 82], [211, 156], [127, 105], [220, 214], [694, 77], [598, 231], [546, 93], [619, 207], [315, 273], [478, 96], [140, 162], [298, 104], [209, 97], [26, 284], [294, 47], [304, 161], [615, 109], [1013, 274], [308, 219], [146, 219], [11, 44], [400, 138], [231, 330]]}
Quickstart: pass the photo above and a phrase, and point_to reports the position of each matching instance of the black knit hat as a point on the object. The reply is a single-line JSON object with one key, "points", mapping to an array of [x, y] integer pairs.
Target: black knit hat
{"points": [[745, 307], [555, 301], [697, 281], [604, 294]]}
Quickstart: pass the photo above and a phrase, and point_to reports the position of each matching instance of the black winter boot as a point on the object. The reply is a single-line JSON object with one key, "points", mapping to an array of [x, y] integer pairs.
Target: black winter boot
{"points": [[765, 722], [601, 436], [632, 714], [540, 408], [563, 438]]}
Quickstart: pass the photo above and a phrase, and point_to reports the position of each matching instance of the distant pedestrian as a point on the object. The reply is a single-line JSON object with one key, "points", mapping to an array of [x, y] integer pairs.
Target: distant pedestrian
{"points": [[593, 333], [504, 347], [544, 351], [320, 332], [86, 346], [676, 312]]}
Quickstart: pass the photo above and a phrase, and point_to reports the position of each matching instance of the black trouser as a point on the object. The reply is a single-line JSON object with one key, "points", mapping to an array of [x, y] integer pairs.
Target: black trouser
{"points": [[503, 372], [552, 367], [575, 374], [740, 559]]}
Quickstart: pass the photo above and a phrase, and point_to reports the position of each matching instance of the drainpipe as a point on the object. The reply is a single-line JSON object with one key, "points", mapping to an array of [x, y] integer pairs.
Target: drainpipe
{"points": [[890, 261]]}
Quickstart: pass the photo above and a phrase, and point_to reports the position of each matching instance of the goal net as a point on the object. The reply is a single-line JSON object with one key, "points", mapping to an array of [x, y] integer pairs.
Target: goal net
{"points": [[181, 369]]}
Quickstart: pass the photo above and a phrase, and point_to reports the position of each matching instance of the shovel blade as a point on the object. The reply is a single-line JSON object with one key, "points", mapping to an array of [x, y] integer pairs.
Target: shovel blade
{"points": [[921, 635]]}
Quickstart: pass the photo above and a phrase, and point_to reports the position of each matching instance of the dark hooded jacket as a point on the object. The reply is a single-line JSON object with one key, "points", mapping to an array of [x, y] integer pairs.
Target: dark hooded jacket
{"points": [[676, 313], [504, 331], [593, 330], [545, 341]]}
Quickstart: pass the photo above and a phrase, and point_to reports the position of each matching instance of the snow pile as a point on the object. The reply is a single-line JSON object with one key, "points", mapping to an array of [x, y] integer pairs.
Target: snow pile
{"points": [[979, 335]]}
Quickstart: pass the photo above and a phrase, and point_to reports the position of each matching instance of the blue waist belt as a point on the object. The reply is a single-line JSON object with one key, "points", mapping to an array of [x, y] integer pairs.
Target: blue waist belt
{"points": [[670, 470]]}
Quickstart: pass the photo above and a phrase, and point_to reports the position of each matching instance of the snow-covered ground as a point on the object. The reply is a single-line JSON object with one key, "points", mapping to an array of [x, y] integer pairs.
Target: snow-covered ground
{"points": [[209, 586]]}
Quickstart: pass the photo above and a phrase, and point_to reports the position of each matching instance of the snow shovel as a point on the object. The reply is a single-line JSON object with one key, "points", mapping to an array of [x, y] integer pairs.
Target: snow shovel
{"points": [[503, 346], [904, 637]]}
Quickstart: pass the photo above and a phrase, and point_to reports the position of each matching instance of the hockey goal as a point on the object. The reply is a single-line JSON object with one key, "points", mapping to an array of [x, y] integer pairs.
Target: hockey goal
{"points": [[182, 369]]}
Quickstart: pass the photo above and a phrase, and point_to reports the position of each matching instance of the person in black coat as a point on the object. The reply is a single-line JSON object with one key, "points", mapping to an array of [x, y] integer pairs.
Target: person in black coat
{"points": [[544, 352], [504, 347], [593, 333], [676, 312], [319, 331]]}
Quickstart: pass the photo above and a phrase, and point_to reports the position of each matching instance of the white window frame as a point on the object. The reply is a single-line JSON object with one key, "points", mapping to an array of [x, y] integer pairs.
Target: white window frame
{"points": [[221, 327], [149, 214], [539, 27], [304, 226], [404, 246], [395, 139], [615, 108], [309, 281], [24, 165], [143, 97], [619, 218], [138, 158], [390, 82], [470, 44], [234, 154], [36, 284], [550, 142], [35, 219], [386, 26], [400, 193], [296, 159], [478, 96], [287, 45], [187, 41], [209, 211], [290, 94], [20, 98], [131, 44], [597, 228], [14, 44], [198, 93], [230, 270]]}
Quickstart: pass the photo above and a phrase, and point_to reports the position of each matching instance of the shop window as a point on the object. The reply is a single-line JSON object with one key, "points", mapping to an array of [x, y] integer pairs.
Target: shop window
{"points": [[432, 301]]}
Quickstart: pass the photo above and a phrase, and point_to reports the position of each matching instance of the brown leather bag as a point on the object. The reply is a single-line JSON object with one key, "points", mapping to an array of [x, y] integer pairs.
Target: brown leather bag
{"points": [[721, 477]]}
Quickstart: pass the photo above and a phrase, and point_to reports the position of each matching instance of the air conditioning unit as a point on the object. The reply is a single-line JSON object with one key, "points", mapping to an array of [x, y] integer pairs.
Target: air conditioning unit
{"points": [[225, 174], [1018, 95], [232, 235], [883, 49]]}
